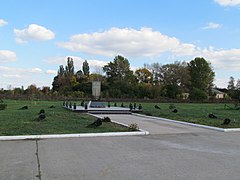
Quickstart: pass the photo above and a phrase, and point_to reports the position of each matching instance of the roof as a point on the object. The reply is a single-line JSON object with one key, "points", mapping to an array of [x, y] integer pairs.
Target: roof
{"points": [[217, 91]]}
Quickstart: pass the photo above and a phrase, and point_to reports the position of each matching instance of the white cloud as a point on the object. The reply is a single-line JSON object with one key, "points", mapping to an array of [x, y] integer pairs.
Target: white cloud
{"points": [[78, 61], [3, 22], [35, 70], [6, 56], [11, 76], [144, 42], [127, 41], [223, 59], [13, 70], [228, 2], [212, 25], [186, 50], [221, 82], [17, 77], [33, 32], [54, 72]]}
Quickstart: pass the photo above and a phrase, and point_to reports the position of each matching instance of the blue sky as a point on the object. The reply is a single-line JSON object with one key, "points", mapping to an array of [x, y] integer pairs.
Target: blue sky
{"points": [[37, 36]]}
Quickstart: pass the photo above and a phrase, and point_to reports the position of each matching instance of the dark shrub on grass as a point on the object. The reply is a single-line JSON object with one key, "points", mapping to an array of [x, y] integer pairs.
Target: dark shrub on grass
{"points": [[212, 116], [139, 106], [226, 121], [41, 111], [23, 108], [175, 111], [106, 119], [3, 106], [95, 124]]}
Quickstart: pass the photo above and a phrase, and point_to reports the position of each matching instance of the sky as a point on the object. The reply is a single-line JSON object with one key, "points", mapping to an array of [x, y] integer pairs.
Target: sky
{"points": [[38, 36]]}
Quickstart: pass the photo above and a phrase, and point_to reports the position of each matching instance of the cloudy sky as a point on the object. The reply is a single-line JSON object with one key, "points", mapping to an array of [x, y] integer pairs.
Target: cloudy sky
{"points": [[37, 36]]}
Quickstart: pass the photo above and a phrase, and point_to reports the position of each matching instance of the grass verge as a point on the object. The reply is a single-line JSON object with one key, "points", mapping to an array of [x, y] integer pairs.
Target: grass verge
{"points": [[195, 113], [58, 120]]}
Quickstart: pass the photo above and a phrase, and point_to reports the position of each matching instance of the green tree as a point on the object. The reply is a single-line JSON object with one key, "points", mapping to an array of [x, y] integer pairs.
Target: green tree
{"points": [[197, 94], [55, 84], [144, 75], [61, 70], [231, 84], [232, 89], [64, 80], [201, 76], [45, 90], [85, 68], [119, 69], [120, 78], [173, 79], [69, 70]]}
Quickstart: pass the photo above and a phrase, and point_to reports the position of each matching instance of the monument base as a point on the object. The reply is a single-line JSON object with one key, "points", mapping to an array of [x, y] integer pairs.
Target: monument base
{"points": [[96, 104]]}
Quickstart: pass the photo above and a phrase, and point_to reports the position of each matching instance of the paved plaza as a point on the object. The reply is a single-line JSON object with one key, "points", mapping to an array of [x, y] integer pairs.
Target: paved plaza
{"points": [[171, 151]]}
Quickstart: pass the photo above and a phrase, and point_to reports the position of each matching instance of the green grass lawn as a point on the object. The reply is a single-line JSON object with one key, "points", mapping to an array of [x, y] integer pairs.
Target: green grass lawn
{"points": [[195, 113], [58, 120]]}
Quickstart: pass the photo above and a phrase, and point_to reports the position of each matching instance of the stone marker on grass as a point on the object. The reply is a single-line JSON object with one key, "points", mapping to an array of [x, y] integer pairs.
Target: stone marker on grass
{"points": [[95, 124], [212, 116], [226, 121], [23, 108]]}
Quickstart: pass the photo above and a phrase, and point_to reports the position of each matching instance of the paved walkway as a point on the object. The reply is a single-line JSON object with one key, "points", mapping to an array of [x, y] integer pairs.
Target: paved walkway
{"points": [[171, 152], [154, 126]]}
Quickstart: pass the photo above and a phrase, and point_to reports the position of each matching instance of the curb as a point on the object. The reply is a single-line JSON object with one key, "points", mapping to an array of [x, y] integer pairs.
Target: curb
{"points": [[55, 136], [190, 124]]}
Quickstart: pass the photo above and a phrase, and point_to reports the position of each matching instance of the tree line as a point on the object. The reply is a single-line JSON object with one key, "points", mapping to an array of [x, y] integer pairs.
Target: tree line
{"points": [[178, 80], [151, 81]]}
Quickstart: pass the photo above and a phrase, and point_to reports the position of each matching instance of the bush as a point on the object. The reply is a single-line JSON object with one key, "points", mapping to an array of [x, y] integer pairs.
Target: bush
{"points": [[106, 119], [3, 106], [41, 111], [198, 95], [133, 127]]}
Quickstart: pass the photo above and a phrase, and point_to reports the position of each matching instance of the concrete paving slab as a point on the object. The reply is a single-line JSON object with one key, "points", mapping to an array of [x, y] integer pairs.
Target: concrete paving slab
{"points": [[154, 126], [175, 156], [18, 160]]}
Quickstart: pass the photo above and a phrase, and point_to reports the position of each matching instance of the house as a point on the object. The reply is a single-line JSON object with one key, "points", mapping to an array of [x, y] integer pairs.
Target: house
{"points": [[218, 94]]}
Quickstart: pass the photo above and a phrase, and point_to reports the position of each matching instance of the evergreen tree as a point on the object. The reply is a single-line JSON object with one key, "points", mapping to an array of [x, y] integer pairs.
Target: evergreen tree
{"points": [[201, 77], [85, 68]]}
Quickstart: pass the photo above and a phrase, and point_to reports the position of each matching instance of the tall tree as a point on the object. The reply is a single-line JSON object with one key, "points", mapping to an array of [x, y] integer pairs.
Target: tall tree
{"points": [[61, 70], [144, 75], [69, 67], [231, 84], [201, 77], [85, 68], [232, 90], [172, 78], [119, 69], [238, 85], [120, 77]]}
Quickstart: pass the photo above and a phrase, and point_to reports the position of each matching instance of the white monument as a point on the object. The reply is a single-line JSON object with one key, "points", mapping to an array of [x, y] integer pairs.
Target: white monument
{"points": [[96, 89]]}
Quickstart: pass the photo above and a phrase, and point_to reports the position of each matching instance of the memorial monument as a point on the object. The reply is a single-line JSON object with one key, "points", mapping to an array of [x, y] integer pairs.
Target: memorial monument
{"points": [[96, 95], [96, 90]]}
